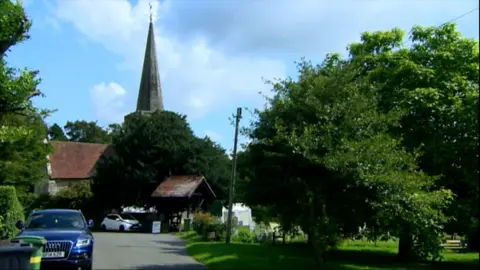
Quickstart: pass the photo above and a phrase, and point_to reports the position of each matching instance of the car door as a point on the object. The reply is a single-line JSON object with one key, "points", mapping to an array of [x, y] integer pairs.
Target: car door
{"points": [[109, 222], [115, 221]]}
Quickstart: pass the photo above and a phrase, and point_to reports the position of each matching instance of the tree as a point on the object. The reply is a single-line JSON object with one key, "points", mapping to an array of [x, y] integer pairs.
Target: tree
{"points": [[76, 195], [23, 162], [323, 158], [22, 130], [55, 133], [435, 82], [17, 88], [90, 132], [149, 148]]}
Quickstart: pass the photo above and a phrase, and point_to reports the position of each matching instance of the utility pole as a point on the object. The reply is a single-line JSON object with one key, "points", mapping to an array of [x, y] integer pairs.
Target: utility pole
{"points": [[231, 193]]}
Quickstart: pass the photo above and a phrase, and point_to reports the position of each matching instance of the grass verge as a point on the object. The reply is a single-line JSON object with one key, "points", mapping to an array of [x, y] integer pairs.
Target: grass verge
{"points": [[352, 255]]}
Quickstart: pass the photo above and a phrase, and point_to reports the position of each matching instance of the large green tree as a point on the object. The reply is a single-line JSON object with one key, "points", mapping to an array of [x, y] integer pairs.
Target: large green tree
{"points": [[147, 149], [22, 129], [435, 83], [23, 161], [83, 131], [17, 87], [90, 132], [55, 133], [325, 157]]}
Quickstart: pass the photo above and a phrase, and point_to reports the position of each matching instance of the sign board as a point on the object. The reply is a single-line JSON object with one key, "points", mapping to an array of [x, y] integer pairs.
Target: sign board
{"points": [[156, 226]]}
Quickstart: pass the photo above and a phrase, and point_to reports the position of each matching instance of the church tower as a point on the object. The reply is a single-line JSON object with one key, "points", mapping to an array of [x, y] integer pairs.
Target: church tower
{"points": [[150, 92]]}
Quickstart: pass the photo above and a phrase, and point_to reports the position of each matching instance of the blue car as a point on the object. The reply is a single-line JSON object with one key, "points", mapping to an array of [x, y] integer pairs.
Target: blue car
{"points": [[69, 239]]}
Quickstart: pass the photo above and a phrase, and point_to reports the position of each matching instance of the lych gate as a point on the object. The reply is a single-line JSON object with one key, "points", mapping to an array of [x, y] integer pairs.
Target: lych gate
{"points": [[178, 196]]}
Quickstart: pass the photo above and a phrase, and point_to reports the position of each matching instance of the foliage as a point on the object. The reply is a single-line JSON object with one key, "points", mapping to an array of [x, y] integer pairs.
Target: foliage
{"points": [[435, 84], [89, 132], [23, 161], [10, 210], [220, 230], [150, 147], [216, 208], [76, 195], [346, 143], [245, 237], [202, 222], [55, 133], [17, 88], [22, 130], [83, 131], [32, 201]]}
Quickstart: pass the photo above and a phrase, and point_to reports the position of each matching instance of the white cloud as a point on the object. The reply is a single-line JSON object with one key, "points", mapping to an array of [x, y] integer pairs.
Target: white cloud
{"points": [[108, 101], [212, 54], [195, 77], [303, 27], [215, 136]]}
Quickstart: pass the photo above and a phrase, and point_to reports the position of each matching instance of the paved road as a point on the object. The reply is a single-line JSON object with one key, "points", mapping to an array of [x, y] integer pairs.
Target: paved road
{"points": [[142, 252]]}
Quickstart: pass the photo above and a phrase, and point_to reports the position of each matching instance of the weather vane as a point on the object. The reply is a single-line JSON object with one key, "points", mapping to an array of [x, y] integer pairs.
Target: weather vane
{"points": [[150, 4]]}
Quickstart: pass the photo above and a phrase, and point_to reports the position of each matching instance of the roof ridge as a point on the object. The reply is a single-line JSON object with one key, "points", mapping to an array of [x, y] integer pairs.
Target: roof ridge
{"points": [[70, 142]]}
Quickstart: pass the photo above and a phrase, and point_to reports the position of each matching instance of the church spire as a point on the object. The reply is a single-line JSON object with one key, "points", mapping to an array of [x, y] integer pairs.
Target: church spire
{"points": [[150, 93]]}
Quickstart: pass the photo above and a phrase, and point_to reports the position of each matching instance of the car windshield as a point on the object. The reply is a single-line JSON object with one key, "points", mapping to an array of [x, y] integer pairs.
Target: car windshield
{"points": [[127, 216], [56, 221]]}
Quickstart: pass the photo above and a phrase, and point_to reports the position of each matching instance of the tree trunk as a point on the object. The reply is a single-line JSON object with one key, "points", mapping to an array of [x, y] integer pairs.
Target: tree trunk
{"points": [[319, 252], [405, 245], [473, 241]]}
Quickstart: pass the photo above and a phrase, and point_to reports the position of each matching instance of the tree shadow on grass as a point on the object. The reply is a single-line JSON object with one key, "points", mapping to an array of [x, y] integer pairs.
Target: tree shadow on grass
{"points": [[220, 256], [387, 260]]}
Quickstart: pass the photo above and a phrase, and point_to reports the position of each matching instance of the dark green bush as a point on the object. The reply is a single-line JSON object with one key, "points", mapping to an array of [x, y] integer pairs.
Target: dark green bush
{"points": [[220, 230], [10, 210], [32, 201], [245, 237]]}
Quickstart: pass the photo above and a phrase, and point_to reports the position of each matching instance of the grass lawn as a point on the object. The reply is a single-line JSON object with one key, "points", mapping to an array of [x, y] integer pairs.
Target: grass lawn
{"points": [[351, 255]]}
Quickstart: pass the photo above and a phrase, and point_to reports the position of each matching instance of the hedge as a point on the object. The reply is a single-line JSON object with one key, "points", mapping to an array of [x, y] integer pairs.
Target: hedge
{"points": [[11, 211]]}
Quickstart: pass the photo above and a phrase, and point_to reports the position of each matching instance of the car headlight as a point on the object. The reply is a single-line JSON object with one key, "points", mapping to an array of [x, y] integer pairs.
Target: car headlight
{"points": [[83, 242]]}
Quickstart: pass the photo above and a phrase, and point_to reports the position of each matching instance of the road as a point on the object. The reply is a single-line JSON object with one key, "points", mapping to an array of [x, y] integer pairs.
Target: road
{"points": [[142, 252]]}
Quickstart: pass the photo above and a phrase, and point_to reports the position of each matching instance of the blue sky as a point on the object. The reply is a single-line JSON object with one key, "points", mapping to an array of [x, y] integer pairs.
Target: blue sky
{"points": [[212, 54]]}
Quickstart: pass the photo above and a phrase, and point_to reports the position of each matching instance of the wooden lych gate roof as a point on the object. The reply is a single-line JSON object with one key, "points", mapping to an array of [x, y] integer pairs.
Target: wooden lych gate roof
{"points": [[181, 186]]}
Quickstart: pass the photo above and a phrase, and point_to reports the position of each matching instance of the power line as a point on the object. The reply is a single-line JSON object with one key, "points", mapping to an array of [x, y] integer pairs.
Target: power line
{"points": [[452, 20], [459, 17]]}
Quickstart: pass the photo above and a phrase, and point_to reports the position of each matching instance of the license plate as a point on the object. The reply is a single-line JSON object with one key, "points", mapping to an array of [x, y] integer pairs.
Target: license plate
{"points": [[53, 254]]}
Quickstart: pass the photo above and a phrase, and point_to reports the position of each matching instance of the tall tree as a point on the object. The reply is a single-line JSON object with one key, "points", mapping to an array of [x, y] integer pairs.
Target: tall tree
{"points": [[323, 158], [435, 82], [90, 132], [55, 133], [22, 129], [149, 148], [23, 162], [17, 88]]}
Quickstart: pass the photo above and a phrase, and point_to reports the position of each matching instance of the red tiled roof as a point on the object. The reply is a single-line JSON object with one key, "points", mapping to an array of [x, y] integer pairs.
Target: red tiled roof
{"points": [[73, 160], [180, 186]]}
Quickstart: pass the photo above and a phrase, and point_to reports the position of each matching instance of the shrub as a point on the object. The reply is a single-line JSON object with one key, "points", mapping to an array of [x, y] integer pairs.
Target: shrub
{"points": [[220, 230], [11, 210], [75, 195], [201, 221], [31, 201], [245, 237]]}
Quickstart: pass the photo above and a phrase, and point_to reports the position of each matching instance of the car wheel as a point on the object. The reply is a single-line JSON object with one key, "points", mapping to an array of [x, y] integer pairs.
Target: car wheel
{"points": [[122, 229], [104, 228]]}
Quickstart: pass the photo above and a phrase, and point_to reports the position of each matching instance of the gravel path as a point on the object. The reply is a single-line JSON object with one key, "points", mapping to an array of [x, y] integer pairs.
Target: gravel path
{"points": [[141, 251]]}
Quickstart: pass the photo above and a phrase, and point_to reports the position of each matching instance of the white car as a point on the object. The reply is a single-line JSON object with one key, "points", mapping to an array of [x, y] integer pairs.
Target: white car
{"points": [[120, 222]]}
